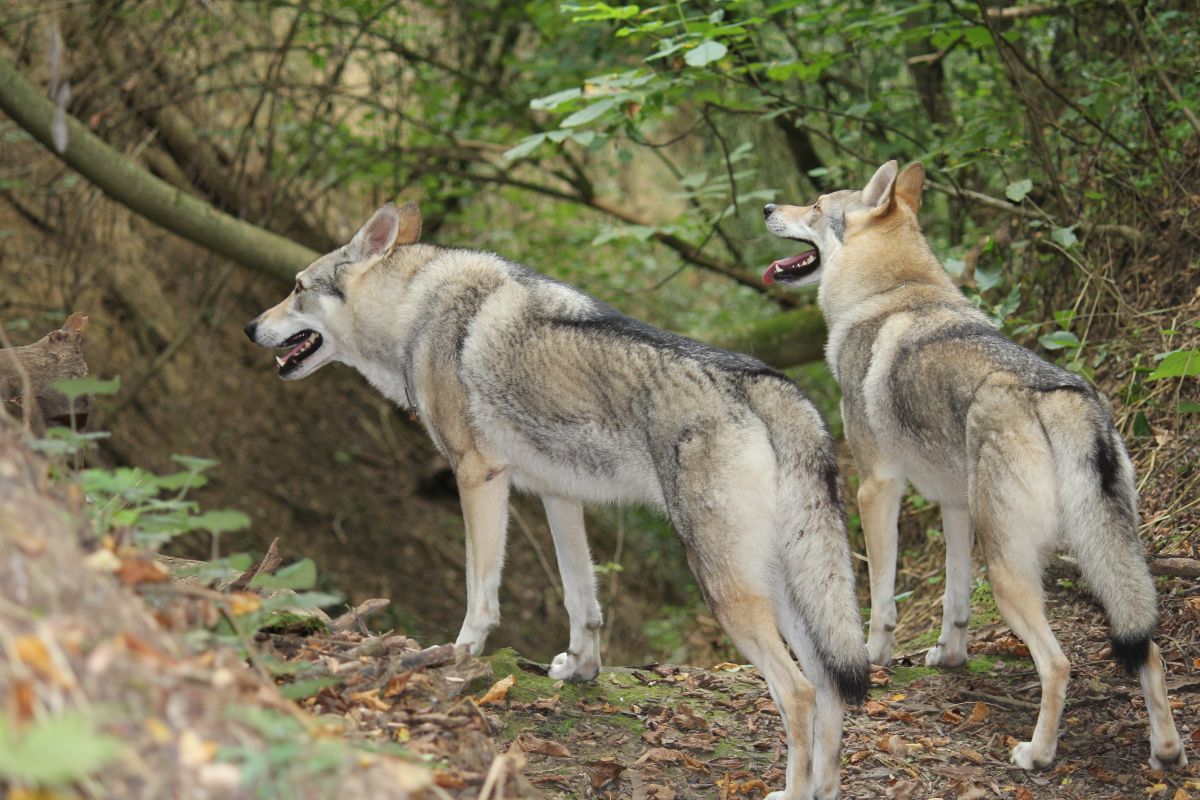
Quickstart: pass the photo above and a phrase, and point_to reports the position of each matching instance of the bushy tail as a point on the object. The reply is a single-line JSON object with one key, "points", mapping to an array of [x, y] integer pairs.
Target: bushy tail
{"points": [[1099, 518], [815, 561]]}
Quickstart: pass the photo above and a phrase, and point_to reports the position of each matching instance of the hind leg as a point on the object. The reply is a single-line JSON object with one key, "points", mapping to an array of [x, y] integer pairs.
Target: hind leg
{"points": [[879, 506], [951, 648], [828, 715], [1017, 588], [1166, 750], [749, 621], [581, 662]]}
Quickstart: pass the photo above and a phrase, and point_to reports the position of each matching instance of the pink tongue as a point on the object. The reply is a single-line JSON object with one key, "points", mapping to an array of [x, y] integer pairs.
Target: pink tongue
{"points": [[294, 350], [784, 263]]}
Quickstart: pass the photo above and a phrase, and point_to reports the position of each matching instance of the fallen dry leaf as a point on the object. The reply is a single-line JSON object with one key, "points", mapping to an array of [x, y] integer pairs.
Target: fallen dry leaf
{"points": [[951, 717], [979, 713], [498, 693], [242, 603], [602, 773], [194, 751], [369, 699], [661, 755], [141, 569], [876, 709], [32, 652], [1022, 794], [532, 744]]}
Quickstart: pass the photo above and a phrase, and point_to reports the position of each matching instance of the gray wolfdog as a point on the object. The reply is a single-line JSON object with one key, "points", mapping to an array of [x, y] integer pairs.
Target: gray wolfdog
{"points": [[524, 381], [1018, 452]]}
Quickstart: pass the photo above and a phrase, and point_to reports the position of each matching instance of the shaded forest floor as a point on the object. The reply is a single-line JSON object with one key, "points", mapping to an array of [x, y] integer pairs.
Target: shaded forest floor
{"points": [[660, 732]]}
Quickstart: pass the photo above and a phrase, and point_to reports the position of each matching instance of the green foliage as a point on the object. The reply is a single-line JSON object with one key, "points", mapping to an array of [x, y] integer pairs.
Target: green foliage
{"points": [[1177, 364], [54, 751]]}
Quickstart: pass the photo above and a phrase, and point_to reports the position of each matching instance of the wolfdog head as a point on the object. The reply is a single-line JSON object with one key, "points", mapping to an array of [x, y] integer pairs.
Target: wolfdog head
{"points": [[829, 224], [313, 319]]}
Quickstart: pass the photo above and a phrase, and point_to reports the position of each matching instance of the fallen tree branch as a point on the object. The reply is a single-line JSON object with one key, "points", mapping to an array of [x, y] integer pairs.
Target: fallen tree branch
{"points": [[156, 200], [1179, 567]]}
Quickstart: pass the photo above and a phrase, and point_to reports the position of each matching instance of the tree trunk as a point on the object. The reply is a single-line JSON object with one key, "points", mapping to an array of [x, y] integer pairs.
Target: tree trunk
{"points": [[27, 375]]}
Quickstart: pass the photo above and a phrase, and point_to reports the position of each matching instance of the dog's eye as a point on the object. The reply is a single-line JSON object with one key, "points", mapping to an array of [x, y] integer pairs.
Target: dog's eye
{"points": [[299, 287], [817, 206]]}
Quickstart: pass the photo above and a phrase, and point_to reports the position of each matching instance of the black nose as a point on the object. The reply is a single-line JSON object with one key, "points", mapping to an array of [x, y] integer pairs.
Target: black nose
{"points": [[251, 328], [768, 209]]}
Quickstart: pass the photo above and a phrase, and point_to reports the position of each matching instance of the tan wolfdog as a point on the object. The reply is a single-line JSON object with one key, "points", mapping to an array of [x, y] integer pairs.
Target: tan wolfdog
{"points": [[1018, 452]]}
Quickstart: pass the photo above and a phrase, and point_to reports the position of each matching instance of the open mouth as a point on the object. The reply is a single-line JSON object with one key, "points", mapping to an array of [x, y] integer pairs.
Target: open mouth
{"points": [[794, 268], [302, 345]]}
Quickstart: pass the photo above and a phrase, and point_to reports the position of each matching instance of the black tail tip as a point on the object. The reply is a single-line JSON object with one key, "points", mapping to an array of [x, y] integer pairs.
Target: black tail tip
{"points": [[1131, 652], [853, 682]]}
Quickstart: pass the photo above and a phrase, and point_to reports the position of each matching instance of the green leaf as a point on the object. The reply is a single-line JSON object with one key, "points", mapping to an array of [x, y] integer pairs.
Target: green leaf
{"points": [[1177, 364], [526, 146], [554, 100], [1189, 407], [306, 688], [1064, 317], [978, 37], [1058, 340], [987, 277], [589, 113], [1017, 190], [78, 387], [54, 751], [301, 575], [705, 53], [1064, 236], [221, 521]]}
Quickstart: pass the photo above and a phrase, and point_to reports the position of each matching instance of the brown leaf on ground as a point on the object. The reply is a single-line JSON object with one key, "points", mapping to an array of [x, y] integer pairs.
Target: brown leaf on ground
{"points": [[979, 713], [1022, 794], [32, 652], [242, 603], [662, 755], [498, 693], [951, 717], [547, 703], [602, 773], [141, 569], [875, 708], [532, 744]]}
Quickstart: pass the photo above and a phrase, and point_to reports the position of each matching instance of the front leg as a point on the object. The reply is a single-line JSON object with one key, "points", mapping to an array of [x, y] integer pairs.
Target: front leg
{"points": [[483, 491], [581, 662], [879, 506]]}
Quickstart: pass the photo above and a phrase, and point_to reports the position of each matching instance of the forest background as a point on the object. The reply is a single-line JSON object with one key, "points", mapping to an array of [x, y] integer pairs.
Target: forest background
{"points": [[627, 150]]}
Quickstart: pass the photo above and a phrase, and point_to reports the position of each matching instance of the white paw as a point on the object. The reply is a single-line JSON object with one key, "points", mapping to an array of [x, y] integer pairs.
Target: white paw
{"points": [[1025, 756], [568, 667], [945, 658], [879, 649], [1178, 762], [475, 641]]}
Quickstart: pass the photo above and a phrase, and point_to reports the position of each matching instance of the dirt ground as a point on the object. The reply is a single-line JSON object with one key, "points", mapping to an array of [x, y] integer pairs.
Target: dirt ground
{"points": [[665, 732]]}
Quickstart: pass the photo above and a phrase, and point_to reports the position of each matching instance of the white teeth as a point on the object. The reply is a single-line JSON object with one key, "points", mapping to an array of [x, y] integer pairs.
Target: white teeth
{"points": [[279, 360]]}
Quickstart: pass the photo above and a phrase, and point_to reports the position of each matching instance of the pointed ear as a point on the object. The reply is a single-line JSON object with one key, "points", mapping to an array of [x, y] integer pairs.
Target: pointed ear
{"points": [[378, 236], [879, 191], [910, 184], [410, 224]]}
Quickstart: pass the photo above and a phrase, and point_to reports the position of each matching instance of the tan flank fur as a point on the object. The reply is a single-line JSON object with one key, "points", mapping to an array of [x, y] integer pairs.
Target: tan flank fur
{"points": [[1021, 455]]}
